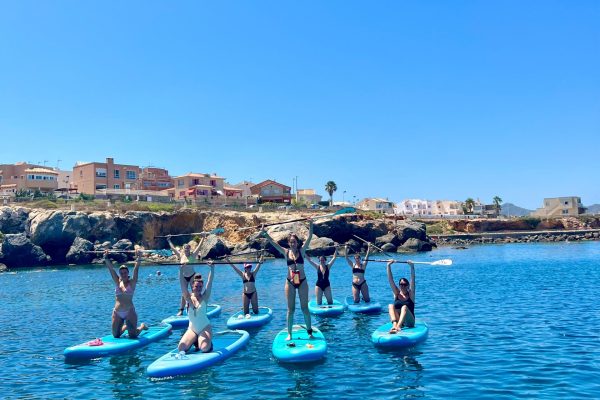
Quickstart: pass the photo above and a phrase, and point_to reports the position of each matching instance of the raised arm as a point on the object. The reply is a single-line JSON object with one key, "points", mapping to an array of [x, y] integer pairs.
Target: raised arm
{"points": [[367, 256], [260, 261], [391, 278], [173, 248], [136, 267], [197, 249], [347, 258], [330, 263], [236, 269], [314, 264], [209, 282], [280, 249], [183, 283], [109, 265], [309, 238], [412, 280]]}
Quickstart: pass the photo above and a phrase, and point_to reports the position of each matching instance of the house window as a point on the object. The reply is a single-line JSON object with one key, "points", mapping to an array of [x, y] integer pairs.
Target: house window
{"points": [[100, 187], [131, 174], [213, 183], [164, 184], [195, 181], [116, 186], [565, 211], [117, 174], [100, 172], [566, 203], [180, 183]]}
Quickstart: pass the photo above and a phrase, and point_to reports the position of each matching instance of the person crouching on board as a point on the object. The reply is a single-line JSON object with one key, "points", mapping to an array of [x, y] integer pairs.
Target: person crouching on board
{"points": [[359, 283], [402, 311], [199, 331], [124, 316], [296, 278], [186, 257], [249, 295], [323, 286]]}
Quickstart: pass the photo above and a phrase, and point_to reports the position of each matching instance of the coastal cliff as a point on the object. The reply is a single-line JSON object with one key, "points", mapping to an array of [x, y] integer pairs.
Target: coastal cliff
{"points": [[36, 237]]}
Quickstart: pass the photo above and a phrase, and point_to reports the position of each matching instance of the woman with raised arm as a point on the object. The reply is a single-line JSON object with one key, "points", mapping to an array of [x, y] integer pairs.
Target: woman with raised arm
{"points": [[296, 278], [124, 316], [323, 286], [402, 312], [359, 283], [249, 295], [199, 332], [186, 257]]}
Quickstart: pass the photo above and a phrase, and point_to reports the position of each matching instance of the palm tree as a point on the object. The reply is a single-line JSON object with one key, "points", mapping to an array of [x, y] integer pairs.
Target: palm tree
{"points": [[469, 204], [497, 200], [330, 187]]}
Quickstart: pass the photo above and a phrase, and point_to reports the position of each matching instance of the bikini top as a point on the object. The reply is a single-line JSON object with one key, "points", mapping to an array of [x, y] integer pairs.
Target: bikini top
{"points": [[128, 290], [247, 280], [294, 261], [356, 270]]}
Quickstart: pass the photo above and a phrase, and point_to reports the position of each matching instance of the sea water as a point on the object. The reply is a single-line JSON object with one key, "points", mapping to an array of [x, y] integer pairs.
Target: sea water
{"points": [[512, 320]]}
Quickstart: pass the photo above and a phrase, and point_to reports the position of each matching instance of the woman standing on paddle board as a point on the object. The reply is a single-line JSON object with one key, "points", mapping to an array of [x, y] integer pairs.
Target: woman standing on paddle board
{"points": [[402, 312], [296, 278], [323, 286], [359, 283], [199, 332], [124, 316], [186, 257], [249, 295]]}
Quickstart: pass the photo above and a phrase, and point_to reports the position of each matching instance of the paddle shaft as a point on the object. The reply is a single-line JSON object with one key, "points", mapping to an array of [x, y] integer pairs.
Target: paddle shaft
{"points": [[378, 248], [339, 212]]}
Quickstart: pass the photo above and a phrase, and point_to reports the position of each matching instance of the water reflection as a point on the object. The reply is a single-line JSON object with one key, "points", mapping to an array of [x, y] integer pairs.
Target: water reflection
{"points": [[303, 382], [124, 373]]}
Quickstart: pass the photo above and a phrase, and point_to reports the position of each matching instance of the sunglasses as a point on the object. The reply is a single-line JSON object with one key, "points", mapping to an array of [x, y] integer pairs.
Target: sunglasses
{"points": [[404, 284]]}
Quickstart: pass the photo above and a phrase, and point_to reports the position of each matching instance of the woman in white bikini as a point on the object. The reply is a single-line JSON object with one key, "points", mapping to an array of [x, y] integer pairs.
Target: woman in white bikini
{"points": [[187, 258], [124, 316], [199, 332]]}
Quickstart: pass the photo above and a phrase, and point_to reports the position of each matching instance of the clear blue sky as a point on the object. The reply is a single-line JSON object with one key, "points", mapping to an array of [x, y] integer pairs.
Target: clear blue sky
{"points": [[433, 100]]}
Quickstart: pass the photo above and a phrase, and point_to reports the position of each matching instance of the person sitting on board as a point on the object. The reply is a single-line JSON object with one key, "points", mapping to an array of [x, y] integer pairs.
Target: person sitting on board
{"points": [[124, 316], [359, 283], [186, 257], [199, 331], [249, 295], [323, 286], [402, 312], [296, 278]]}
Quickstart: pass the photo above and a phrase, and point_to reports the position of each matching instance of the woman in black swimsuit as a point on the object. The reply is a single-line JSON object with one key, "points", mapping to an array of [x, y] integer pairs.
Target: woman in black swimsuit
{"points": [[248, 278], [402, 312], [323, 285], [296, 278], [359, 283]]}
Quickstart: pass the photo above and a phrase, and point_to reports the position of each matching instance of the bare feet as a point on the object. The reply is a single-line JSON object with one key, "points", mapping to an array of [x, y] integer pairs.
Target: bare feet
{"points": [[289, 337], [143, 327], [180, 313]]}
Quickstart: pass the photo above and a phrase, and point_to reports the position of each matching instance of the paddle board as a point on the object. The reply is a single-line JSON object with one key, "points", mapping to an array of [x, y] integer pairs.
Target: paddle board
{"points": [[239, 320], [225, 344], [109, 345], [300, 348], [407, 337], [182, 321], [372, 307], [326, 310]]}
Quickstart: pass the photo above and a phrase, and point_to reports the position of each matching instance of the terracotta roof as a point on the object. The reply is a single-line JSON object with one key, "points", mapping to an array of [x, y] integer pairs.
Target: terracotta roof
{"points": [[8, 186], [41, 171], [198, 175], [232, 189]]}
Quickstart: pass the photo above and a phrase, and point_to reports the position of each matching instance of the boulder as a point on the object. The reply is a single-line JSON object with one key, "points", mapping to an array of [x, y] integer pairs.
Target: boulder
{"points": [[390, 238], [414, 244], [18, 251], [123, 244], [78, 253], [213, 247], [320, 247], [409, 229], [13, 220], [389, 248]]}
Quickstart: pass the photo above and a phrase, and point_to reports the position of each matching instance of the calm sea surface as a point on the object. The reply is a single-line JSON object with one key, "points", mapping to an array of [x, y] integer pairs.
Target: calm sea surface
{"points": [[514, 320]]}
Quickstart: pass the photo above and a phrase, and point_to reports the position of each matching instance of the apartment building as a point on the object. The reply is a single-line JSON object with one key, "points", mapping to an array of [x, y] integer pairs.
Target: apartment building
{"points": [[269, 191], [91, 177], [153, 178], [418, 207], [376, 204], [308, 196], [209, 189], [560, 207], [28, 177]]}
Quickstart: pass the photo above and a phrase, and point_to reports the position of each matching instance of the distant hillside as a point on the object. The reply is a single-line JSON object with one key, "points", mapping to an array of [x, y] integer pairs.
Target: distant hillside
{"points": [[593, 209], [511, 210]]}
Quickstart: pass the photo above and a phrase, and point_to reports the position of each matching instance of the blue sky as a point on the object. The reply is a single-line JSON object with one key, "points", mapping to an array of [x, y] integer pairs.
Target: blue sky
{"points": [[432, 100]]}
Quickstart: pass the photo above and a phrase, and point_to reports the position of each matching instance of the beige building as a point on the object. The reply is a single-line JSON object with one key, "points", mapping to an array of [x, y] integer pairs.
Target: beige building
{"points": [[560, 207], [308, 196], [207, 189], [376, 204], [28, 177], [92, 177]]}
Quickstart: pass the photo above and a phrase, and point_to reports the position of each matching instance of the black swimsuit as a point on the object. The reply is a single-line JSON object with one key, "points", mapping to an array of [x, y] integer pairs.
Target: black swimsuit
{"points": [[295, 262], [323, 279], [244, 280], [355, 270], [398, 304]]}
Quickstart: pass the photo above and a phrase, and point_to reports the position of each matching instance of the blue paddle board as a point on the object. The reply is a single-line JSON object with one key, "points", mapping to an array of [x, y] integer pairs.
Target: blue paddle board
{"points": [[225, 344], [241, 321], [300, 348], [182, 321], [326, 310], [407, 337], [372, 307], [109, 345]]}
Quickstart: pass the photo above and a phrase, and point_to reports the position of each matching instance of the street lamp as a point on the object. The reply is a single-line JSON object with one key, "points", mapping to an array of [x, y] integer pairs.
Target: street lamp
{"points": [[343, 196]]}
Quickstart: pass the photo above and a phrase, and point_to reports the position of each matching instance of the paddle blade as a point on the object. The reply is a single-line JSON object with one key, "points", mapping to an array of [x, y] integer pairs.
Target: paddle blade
{"points": [[347, 210], [446, 262], [217, 231]]}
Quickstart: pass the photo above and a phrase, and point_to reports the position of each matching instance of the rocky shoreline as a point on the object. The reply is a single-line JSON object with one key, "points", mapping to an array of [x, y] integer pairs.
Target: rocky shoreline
{"points": [[466, 239], [36, 237]]}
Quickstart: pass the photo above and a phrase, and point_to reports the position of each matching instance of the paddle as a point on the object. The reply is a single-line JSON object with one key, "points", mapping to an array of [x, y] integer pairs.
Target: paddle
{"points": [[378, 248], [162, 252], [347, 210], [240, 254], [445, 262], [215, 231]]}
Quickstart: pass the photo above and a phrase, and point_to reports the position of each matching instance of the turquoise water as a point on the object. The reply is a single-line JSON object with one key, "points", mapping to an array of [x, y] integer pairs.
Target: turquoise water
{"points": [[514, 320]]}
